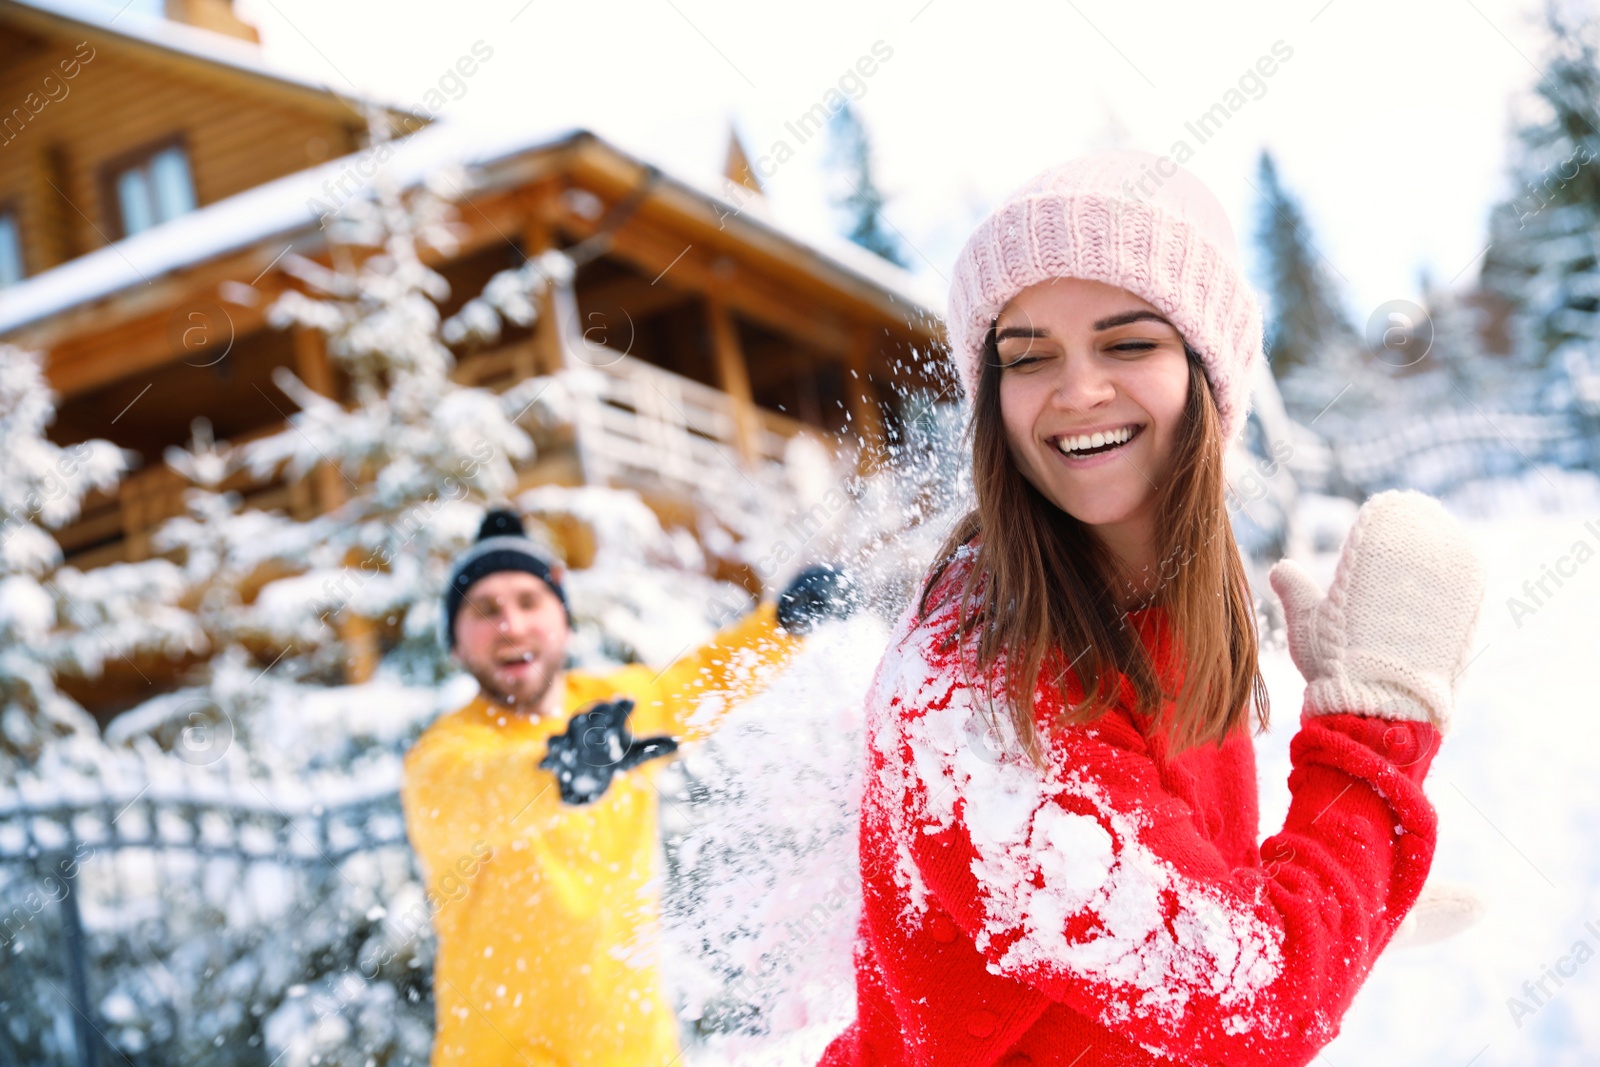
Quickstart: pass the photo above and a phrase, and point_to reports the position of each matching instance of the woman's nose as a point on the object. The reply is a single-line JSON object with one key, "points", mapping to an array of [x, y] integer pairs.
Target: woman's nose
{"points": [[1082, 383]]}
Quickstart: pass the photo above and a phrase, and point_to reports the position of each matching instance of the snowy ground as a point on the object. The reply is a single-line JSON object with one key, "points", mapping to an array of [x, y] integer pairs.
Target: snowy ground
{"points": [[1518, 797]]}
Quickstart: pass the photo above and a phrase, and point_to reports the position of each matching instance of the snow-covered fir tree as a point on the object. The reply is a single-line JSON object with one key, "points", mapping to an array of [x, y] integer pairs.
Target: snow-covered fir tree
{"points": [[416, 455], [1305, 313], [1315, 354], [1457, 368], [58, 620], [1544, 256], [281, 608], [856, 196]]}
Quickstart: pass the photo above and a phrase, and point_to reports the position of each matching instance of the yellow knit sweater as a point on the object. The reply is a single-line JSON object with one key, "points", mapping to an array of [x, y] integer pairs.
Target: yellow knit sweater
{"points": [[545, 912]]}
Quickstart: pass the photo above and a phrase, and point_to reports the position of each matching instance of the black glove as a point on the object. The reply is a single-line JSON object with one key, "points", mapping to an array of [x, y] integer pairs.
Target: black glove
{"points": [[596, 745], [815, 594]]}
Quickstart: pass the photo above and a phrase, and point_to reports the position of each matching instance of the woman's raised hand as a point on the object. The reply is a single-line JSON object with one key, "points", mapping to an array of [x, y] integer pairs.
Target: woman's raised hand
{"points": [[1395, 629]]}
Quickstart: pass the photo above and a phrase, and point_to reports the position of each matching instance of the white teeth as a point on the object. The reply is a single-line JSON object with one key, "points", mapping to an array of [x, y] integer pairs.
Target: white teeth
{"points": [[1083, 442]]}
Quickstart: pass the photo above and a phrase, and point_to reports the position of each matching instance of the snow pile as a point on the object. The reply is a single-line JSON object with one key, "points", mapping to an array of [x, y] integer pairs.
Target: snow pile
{"points": [[1541, 490]]}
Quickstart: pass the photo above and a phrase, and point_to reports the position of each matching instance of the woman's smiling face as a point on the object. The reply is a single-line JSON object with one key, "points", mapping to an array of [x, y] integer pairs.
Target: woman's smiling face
{"points": [[1080, 358]]}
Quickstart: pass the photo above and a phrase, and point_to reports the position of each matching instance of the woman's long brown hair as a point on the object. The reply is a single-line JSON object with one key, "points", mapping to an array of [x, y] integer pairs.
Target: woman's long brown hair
{"points": [[1041, 588]]}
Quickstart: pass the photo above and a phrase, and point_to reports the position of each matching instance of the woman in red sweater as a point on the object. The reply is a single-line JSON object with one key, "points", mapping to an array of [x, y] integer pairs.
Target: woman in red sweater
{"points": [[1058, 828]]}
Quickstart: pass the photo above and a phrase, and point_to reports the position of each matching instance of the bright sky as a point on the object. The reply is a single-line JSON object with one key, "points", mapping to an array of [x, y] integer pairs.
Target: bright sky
{"points": [[1389, 119]]}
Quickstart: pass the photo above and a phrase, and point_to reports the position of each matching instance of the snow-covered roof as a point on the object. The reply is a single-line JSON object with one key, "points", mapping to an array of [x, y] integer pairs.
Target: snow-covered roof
{"points": [[193, 42], [286, 208], [840, 252], [283, 207]]}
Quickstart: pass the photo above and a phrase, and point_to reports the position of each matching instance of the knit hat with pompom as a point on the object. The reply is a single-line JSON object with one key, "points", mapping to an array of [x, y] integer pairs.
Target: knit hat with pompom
{"points": [[502, 545], [1129, 219]]}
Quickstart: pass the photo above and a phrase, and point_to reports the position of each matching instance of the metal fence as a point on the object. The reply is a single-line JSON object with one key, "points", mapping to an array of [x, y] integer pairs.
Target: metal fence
{"points": [[146, 924], [1439, 453]]}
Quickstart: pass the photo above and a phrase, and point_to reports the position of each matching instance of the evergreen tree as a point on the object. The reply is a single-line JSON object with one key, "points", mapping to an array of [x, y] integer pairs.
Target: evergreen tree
{"points": [[1323, 372], [40, 488], [416, 454], [858, 198], [1545, 252], [1304, 307], [1457, 353], [55, 619]]}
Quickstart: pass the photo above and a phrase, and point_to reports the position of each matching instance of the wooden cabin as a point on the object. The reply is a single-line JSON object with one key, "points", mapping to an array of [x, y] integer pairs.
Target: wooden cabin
{"points": [[154, 194]]}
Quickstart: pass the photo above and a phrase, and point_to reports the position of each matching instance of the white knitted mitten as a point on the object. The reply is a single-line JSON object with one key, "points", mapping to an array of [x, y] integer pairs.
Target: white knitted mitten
{"points": [[1396, 627], [1442, 911]]}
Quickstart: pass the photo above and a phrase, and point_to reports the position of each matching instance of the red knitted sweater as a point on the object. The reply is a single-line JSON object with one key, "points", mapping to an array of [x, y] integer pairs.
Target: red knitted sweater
{"points": [[1115, 909]]}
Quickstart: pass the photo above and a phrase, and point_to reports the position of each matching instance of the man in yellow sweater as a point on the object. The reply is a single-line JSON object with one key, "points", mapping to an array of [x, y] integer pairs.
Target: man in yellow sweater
{"points": [[533, 812]]}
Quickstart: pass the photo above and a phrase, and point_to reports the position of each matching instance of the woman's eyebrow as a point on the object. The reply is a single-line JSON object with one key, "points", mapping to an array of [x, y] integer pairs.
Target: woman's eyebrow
{"points": [[1130, 316], [1004, 332], [1110, 322]]}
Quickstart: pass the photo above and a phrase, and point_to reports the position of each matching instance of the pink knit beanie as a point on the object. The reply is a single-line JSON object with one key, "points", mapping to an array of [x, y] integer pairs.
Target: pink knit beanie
{"points": [[1129, 219]]}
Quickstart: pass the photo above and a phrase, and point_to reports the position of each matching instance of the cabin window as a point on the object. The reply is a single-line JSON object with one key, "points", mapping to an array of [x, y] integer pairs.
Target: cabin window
{"points": [[152, 187], [11, 265]]}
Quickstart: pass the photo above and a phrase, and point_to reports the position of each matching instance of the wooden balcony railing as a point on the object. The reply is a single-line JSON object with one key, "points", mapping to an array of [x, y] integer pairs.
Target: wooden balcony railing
{"points": [[646, 427], [634, 425]]}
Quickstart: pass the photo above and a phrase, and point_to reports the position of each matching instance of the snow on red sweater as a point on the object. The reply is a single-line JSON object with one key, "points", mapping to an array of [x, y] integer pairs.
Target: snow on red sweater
{"points": [[1114, 909]]}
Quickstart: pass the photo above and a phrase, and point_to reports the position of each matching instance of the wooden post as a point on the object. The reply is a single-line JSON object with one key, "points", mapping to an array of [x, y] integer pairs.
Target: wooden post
{"points": [[357, 633], [135, 521], [311, 364], [55, 234], [360, 639], [734, 378], [544, 356], [303, 498], [863, 399]]}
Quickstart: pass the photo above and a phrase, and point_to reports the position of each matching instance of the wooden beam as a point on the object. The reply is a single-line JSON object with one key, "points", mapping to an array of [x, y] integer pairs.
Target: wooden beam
{"points": [[58, 243], [85, 361], [663, 256], [135, 521], [303, 495], [544, 355], [633, 294], [734, 378], [311, 361], [313, 367], [865, 411], [359, 635]]}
